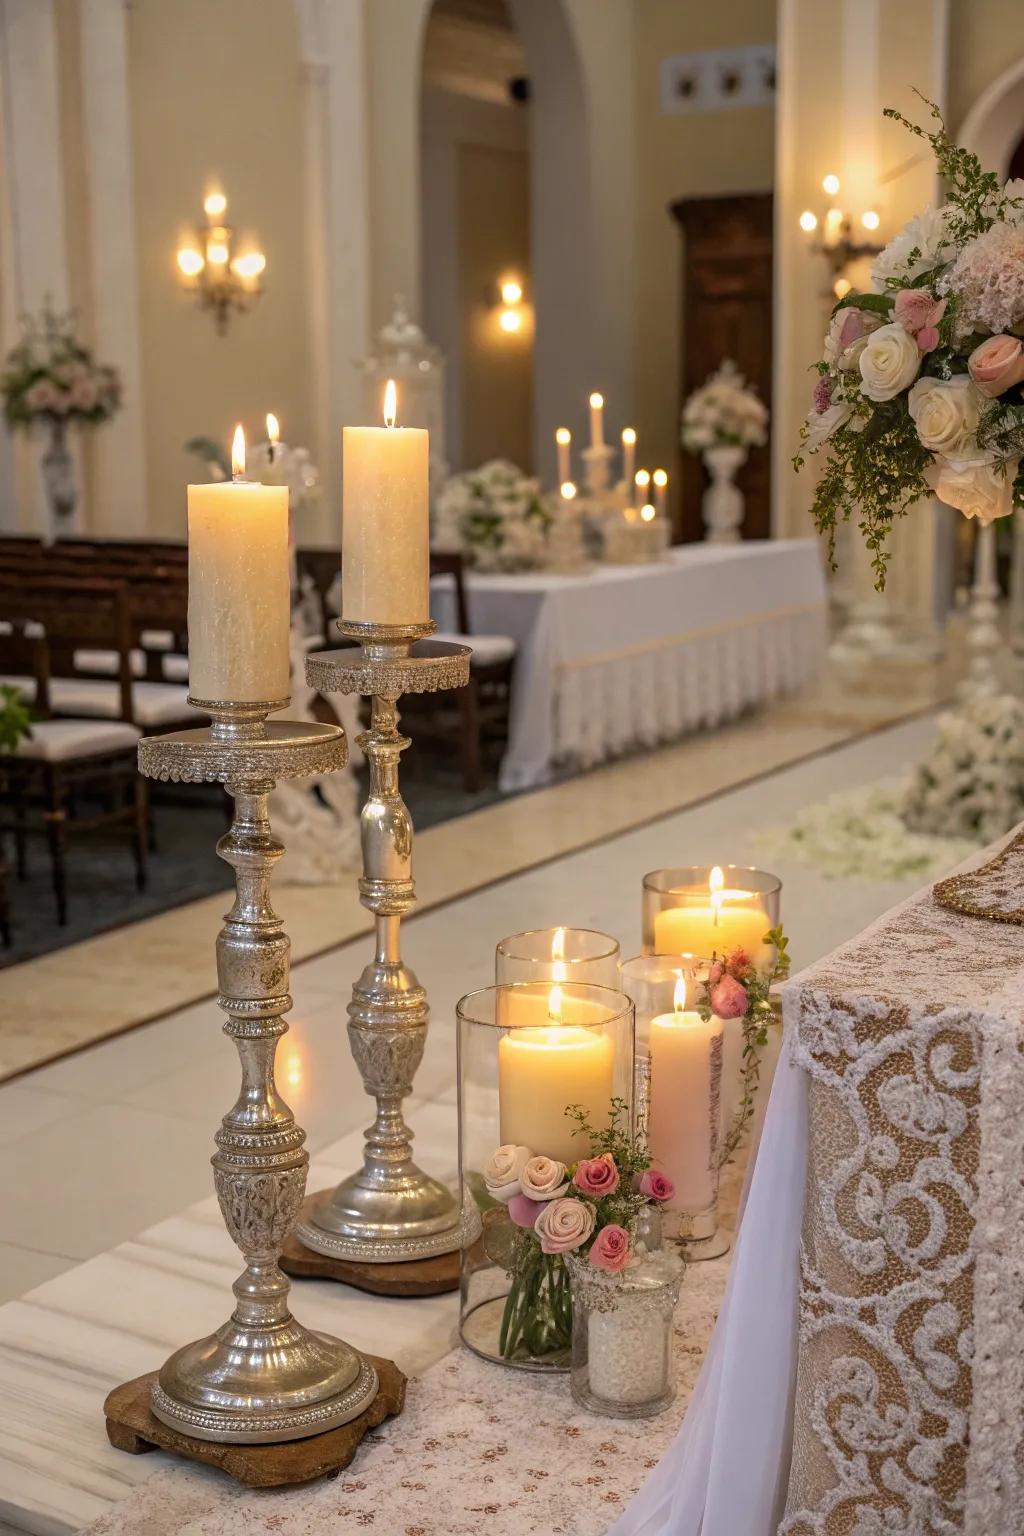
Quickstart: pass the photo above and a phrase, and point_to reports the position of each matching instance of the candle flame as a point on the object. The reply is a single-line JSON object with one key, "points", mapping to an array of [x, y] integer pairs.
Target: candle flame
{"points": [[563, 435], [642, 478], [568, 490], [555, 1004], [238, 453], [596, 401], [629, 436], [660, 477], [273, 428], [716, 883], [215, 205], [558, 944], [679, 995], [390, 403], [648, 513]]}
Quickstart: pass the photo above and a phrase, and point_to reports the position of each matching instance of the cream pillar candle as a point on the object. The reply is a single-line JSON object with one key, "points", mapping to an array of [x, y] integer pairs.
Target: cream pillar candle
{"points": [[385, 536], [717, 923], [683, 1126], [541, 1071], [660, 479], [238, 589], [628, 454], [596, 420], [563, 440]]}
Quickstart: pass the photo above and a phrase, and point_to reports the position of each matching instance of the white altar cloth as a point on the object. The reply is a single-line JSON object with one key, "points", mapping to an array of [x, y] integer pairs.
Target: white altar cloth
{"points": [[632, 656]]}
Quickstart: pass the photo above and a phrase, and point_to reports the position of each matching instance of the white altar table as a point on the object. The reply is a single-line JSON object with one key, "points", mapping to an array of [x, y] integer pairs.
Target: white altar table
{"points": [[632, 656]]}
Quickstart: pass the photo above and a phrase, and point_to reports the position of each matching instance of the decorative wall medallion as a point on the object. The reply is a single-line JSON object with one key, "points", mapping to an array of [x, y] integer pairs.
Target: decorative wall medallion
{"points": [[716, 80]]}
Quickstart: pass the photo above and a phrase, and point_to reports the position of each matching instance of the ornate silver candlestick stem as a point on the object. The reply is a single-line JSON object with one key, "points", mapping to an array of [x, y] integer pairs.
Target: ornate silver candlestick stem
{"points": [[390, 1210], [262, 1376]]}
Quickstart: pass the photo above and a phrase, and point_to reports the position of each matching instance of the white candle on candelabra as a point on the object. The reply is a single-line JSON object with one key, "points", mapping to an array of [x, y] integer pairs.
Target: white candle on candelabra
{"points": [[563, 440], [238, 598], [641, 486], [567, 490], [686, 1065], [544, 1068], [385, 556], [596, 420], [628, 454], [660, 479]]}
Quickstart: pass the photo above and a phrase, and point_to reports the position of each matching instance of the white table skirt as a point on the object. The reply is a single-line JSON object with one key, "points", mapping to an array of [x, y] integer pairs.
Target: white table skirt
{"points": [[633, 656]]}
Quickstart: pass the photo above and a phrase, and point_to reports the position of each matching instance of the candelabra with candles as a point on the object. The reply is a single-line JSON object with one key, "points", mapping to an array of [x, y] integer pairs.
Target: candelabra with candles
{"points": [[838, 241], [223, 279]]}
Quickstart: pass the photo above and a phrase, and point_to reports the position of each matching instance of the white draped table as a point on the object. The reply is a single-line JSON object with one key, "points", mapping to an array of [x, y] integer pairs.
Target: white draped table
{"points": [[632, 656], [866, 1373]]}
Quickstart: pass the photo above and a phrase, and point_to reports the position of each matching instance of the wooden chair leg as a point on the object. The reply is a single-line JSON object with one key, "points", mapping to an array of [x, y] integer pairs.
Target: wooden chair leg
{"points": [[20, 842], [140, 837], [56, 826], [469, 704]]}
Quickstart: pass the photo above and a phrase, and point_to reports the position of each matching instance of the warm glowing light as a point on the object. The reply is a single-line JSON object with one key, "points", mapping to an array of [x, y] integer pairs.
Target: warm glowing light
{"points": [[679, 995], [390, 403], [273, 428], [808, 221], [630, 514], [830, 185], [563, 436], [558, 968], [596, 401], [190, 262], [716, 884], [660, 478], [215, 205], [217, 252], [841, 287], [628, 436], [558, 944], [293, 1070], [642, 478], [567, 490], [870, 219], [555, 1004], [834, 219], [511, 292], [510, 320], [647, 513], [250, 265], [238, 453]]}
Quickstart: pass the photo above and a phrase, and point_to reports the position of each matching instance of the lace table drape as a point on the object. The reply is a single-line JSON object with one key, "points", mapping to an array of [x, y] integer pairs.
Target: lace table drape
{"points": [[632, 656], [896, 1407]]}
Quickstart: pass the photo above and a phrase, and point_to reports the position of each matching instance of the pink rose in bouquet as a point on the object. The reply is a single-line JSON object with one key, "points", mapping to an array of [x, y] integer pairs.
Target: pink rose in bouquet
{"points": [[728, 998], [543, 1178], [919, 314], [564, 1225], [524, 1211], [997, 364], [656, 1186], [597, 1175], [610, 1249]]}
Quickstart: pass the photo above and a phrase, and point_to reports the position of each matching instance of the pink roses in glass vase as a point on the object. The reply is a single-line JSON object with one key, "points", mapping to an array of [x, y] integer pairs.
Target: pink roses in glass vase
{"points": [[589, 1208]]}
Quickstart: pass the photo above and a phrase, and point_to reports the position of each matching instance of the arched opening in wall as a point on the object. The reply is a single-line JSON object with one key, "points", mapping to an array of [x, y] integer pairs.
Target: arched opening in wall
{"points": [[475, 224]]}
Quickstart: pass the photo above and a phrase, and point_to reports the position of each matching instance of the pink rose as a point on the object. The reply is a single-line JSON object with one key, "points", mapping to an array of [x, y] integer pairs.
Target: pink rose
{"points": [[524, 1211], [543, 1178], [729, 999], [919, 314], [656, 1186], [610, 1250], [597, 1175], [997, 364], [564, 1225]]}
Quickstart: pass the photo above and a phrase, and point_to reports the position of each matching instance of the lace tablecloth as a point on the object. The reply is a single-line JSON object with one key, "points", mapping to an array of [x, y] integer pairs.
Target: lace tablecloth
{"points": [[866, 1375], [628, 656]]}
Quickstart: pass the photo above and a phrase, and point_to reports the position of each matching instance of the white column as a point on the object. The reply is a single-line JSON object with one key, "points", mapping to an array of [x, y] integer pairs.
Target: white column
{"points": [[34, 214], [118, 447]]}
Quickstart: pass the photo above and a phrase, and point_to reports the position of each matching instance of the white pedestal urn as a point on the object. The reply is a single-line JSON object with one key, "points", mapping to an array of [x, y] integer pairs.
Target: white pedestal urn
{"points": [[723, 500], [58, 469], [983, 638]]}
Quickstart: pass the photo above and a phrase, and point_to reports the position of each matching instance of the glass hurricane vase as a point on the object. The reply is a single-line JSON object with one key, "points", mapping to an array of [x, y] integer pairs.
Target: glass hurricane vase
{"points": [[622, 1335]]}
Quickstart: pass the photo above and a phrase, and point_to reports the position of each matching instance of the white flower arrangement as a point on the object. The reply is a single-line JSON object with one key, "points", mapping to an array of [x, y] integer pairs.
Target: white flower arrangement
{"points": [[972, 784], [496, 516], [725, 412]]}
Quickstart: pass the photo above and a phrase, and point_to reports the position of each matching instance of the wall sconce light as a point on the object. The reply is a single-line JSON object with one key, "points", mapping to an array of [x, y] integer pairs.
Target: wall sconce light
{"points": [[842, 239], [209, 266], [508, 296]]}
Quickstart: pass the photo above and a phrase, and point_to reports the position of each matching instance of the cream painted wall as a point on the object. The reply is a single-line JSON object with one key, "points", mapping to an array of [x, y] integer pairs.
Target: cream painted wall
{"points": [[217, 98], [678, 155], [985, 38]]}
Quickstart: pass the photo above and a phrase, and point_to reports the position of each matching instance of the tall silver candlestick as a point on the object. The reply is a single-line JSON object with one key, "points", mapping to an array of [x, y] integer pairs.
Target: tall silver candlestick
{"points": [[261, 1377], [388, 1211]]}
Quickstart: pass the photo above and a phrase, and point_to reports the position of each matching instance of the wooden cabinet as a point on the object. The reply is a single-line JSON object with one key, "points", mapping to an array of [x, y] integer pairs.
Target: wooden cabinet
{"points": [[727, 312]]}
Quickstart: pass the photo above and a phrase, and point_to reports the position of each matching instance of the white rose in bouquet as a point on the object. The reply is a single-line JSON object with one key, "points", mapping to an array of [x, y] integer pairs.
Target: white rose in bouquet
{"points": [[946, 413], [977, 489], [889, 362]]}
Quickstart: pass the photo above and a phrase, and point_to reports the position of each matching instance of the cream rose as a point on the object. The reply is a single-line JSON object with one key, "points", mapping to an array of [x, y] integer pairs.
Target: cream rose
{"points": [[889, 362], [981, 490], [946, 413], [504, 1171], [564, 1225], [997, 364], [542, 1178]]}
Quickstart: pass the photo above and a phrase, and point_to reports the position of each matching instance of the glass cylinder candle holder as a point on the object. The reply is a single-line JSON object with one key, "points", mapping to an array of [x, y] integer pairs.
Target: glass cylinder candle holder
{"points": [[527, 1052], [558, 954], [622, 1335], [710, 910]]}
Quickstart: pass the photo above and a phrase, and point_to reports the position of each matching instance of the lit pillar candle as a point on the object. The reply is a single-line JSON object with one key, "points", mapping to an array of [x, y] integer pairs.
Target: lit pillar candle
{"points": [[686, 1067], [628, 454], [563, 441], [567, 491], [385, 555], [544, 1068], [660, 479], [238, 598], [596, 420], [717, 923], [641, 486]]}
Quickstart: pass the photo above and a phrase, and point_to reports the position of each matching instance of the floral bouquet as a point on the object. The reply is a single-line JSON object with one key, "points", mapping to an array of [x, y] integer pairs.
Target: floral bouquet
{"points": [[496, 516], [591, 1208], [971, 785], [737, 988], [919, 390], [724, 412], [51, 377]]}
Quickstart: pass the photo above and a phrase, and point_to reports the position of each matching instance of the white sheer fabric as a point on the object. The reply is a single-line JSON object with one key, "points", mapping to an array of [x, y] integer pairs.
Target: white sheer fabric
{"points": [[629, 656]]}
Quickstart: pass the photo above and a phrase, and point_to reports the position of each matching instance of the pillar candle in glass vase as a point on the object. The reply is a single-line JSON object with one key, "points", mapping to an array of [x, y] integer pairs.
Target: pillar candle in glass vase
{"points": [[238, 588], [385, 536], [543, 1069], [683, 1129]]}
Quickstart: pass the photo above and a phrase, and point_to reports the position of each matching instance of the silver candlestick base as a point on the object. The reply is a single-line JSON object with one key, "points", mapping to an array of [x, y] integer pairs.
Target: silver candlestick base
{"points": [[389, 1211], [262, 1377]]}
